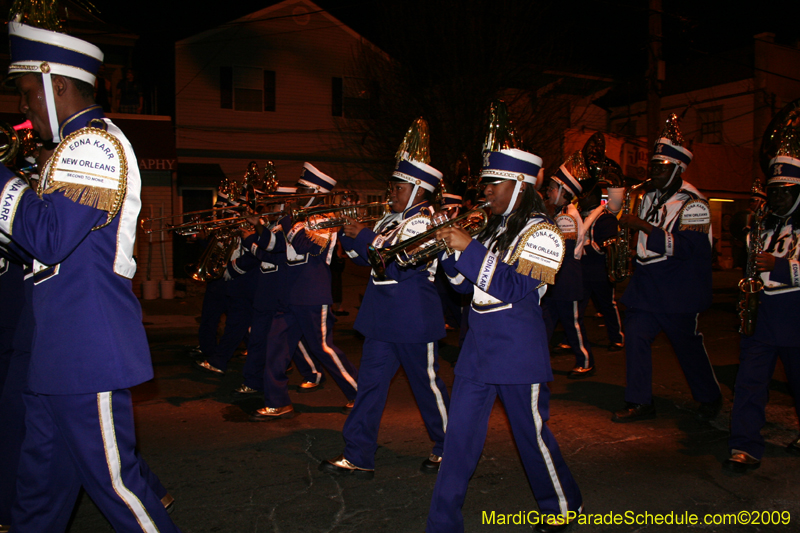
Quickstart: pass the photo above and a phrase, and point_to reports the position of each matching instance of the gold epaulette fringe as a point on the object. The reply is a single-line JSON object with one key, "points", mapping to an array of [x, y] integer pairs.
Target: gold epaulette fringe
{"points": [[96, 197], [703, 228], [536, 271], [319, 238]]}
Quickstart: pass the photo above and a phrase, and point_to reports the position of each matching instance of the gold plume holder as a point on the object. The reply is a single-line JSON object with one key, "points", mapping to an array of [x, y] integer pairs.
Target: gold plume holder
{"points": [[672, 130], [271, 183], [416, 143], [41, 14], [500, 132]]}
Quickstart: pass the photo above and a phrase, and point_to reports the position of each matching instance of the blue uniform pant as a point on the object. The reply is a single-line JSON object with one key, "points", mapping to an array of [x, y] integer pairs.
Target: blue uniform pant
{"points": [[527, 407], [641, 329], [238, 316], [601, 293], [314, 324], [379, 363], [571, 318], [257, 353], [751, 393], [214, 301], [83, 440], [12, 426]]}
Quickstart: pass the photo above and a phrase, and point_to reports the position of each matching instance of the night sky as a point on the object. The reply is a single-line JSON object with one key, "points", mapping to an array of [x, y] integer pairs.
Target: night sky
{"points": [[609, 35]]}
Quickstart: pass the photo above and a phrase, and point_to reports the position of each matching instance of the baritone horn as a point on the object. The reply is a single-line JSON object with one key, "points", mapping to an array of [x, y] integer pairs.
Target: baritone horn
{"points": [[424, 247]]}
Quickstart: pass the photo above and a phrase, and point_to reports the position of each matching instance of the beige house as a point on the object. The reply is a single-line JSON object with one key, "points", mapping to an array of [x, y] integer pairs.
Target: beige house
{"points": [[271, 86]]}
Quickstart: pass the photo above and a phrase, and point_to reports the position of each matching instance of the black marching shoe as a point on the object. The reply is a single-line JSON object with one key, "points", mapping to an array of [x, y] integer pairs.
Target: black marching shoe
{"points": [[709, 410], [634, 412], [431, 464], [561, 349], [740, 462], [794, 447], [348, 407], [272, 413], [340, 465], [616, 346], [309, 386], [581, 373]]}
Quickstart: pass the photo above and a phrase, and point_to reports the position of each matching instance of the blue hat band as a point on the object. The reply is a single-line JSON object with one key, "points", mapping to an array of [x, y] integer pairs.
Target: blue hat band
{"points": [[412, 173], [672, 154], [784, 170], [562, 177], [26, 50], [501, 161]]}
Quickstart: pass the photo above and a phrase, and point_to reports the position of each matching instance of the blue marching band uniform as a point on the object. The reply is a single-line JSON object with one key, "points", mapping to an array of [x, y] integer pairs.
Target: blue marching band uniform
{"points": [[675, 255], [600, 225], [80, 230], [561, 303], [505, 315], [776, 333]]}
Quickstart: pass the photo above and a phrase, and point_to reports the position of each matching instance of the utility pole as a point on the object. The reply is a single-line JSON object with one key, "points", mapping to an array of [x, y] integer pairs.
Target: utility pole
{"points": [[655, 73]]}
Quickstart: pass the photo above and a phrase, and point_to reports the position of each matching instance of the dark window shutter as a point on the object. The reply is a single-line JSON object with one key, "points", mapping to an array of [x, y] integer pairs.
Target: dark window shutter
{"points": [[226, 87]]}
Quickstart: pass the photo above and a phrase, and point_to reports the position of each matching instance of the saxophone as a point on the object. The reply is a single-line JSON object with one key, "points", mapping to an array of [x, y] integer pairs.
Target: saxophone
{"points": [[618, 249], [752, 284]]}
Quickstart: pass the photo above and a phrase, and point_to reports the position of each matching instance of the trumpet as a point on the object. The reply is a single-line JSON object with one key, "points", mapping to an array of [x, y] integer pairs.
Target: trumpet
{"points": [[424, 247], [334, 216]]}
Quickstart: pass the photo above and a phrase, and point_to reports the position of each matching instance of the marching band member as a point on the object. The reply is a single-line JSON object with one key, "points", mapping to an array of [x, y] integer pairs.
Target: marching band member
{"points": [[776, 332], [89, 345], [401, 317], [601, 225], [572, 179], [306, 313], [505, 352], [671, 284]]}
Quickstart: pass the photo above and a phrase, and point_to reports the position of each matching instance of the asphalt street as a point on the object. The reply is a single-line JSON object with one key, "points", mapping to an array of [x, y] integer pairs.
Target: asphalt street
{"points": [[231, 475]]}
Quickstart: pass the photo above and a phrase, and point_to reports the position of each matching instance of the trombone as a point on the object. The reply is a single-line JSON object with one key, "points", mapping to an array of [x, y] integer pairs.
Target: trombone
{"points": [[324, 217], [424, 247], [246, 210]]}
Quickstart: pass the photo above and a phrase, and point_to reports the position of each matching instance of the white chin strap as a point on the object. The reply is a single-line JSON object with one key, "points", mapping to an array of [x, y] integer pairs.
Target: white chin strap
{"points": [[51, 105], [674, 172], [513, 201], [796, 203], [411, 198]]}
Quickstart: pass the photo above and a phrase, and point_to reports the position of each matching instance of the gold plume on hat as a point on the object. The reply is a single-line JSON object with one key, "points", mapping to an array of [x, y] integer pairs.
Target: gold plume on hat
{"points": [[37, 13], [576, 166], [672, 130], [271, 183], [500, 133], [789, 144], [416, 143]]}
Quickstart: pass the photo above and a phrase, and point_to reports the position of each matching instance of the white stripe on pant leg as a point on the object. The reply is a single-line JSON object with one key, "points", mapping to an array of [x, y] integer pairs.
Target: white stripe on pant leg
{"points": [[318, 373], [436, 392], [548, 459], [616, 310], [107, 430], [331, 352], [577, 327], [703, 344]]}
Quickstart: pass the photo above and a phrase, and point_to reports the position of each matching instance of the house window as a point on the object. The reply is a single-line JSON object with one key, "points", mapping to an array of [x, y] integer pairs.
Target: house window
{"points": [[352, 98], [247, 89], [710, 125]]}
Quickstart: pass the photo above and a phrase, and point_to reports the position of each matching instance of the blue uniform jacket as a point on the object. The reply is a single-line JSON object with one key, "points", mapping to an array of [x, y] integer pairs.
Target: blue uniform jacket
{"points": [[405, 307], [673, 268], [594, 258], [779, 303], [270, 283], [506, 342], [89, 335]]}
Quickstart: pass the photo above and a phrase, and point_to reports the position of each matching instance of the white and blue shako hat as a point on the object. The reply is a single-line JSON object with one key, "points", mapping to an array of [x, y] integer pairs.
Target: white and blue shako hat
{"points": [[669, 148], [451, 200], [412, 160], [784, 168], [312, 178], [510, 164], [40, 51]]}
